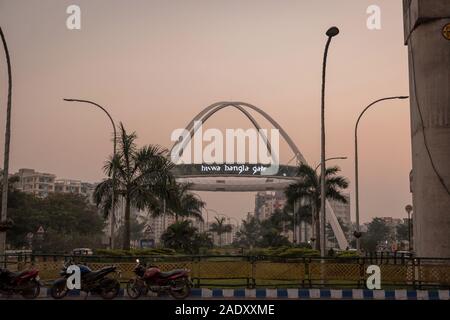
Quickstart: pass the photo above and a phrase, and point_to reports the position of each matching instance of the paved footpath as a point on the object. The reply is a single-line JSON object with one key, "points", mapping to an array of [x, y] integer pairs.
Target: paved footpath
{"points": [[282, 294]]}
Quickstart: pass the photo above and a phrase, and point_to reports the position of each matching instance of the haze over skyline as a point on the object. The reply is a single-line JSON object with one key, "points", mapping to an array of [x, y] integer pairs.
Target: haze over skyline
{"points": [[156, 64]]}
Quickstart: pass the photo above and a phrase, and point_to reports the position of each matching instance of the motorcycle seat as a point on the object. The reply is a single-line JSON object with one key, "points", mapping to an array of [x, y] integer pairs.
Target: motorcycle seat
{"points": [[170, 273], [102, 270]]}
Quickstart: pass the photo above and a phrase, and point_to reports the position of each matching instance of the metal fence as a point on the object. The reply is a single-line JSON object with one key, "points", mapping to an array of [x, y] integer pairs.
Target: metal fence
{"points": [[261, 271]]}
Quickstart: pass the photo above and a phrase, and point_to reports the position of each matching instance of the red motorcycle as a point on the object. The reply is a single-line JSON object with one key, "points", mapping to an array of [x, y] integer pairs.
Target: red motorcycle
{"points": [[175, 282], [25, 283]]}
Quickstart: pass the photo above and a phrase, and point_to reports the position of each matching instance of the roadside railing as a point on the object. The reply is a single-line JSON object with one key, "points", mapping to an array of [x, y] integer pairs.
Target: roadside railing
{"points": [[259, 271]]}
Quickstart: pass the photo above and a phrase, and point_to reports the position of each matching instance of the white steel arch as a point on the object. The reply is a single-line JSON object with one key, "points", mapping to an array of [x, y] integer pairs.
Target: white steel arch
{"points": [[209, 111]]}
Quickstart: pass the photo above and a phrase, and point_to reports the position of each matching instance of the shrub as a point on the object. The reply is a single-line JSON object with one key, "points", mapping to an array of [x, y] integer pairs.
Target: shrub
{"points": [[298, 253], [347, 254], [135, 252], [284, 252]]}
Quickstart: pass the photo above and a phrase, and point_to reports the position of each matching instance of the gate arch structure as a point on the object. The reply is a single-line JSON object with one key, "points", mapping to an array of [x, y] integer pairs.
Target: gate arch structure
{"points": [[286, 175]]}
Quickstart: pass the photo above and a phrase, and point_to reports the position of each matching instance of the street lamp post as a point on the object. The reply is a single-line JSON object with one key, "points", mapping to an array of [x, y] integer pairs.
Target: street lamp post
{"points": [[358, 232], [332, 32], [3, 214], [408, 210], [113, 204]]}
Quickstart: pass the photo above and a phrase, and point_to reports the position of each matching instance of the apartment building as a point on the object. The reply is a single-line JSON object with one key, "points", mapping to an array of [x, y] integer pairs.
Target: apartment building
{"points": [[42, 184], [38, 183], [76, 187], [266, 203], [159, 225]]}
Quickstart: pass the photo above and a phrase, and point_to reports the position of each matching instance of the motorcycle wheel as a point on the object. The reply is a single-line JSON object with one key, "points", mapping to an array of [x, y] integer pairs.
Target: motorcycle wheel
{"points": [[59, 289], [134, 290], [32, 292], [180, 289], [109, 289]]}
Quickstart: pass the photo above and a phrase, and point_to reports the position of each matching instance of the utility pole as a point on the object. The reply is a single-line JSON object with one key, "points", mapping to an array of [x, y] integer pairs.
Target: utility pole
{"points": [[4, 209]]}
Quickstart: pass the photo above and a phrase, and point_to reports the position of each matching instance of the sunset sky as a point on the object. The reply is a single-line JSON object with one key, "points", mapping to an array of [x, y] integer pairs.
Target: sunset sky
{"points": [[155, 64]]}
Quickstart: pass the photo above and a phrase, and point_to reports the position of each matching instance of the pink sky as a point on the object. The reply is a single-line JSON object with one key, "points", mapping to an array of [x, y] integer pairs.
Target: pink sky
{"points": [[155, 64]]}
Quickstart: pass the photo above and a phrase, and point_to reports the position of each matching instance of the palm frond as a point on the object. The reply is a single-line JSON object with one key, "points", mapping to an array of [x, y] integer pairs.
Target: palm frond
{"points": [[103, 196]]}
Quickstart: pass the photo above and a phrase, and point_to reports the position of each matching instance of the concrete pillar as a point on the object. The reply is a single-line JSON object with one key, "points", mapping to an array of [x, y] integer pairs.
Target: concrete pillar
{"points": [[429, 70]]}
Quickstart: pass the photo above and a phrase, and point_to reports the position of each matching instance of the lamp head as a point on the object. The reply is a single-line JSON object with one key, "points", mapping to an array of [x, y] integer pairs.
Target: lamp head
{"points": [[333, 31]]}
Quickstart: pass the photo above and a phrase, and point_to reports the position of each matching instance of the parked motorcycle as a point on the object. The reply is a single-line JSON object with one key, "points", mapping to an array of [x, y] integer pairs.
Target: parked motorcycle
{"points": [[96, 282], [175, 282], [25, 283]]}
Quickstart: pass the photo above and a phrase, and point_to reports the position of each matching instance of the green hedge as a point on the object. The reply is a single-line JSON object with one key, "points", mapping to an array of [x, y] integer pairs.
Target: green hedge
{"points": [[299, 252], [285, 252], [135, 252], [347, 254]]}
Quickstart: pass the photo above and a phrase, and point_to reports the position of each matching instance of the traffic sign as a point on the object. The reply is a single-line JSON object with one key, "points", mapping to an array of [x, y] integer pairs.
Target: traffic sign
{"points": [[148, 230]]}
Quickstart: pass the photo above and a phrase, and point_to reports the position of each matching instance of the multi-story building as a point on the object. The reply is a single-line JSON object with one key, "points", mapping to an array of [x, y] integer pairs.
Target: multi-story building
{"points": [[225, 238], [68, 186], [42, 184], [342, 210], [266, 203], [158, 225], [33, 182], [76, 187]]}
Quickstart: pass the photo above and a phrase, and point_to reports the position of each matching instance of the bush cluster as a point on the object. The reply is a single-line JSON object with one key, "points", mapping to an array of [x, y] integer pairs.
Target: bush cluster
{"points": [[285, 252], [135, 252]]}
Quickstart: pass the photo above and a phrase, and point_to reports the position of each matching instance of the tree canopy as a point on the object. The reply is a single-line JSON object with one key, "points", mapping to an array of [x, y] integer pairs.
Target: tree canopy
{"points": [[68, 220]]}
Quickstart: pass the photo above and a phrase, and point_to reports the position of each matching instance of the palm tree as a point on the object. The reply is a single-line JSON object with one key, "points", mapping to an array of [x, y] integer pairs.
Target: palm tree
{"points": [[182, 203], [271, 230], [220, 228], [307, 191], [179, 236], [182, 236], [142, 179], [249, 234], [292, 218]]}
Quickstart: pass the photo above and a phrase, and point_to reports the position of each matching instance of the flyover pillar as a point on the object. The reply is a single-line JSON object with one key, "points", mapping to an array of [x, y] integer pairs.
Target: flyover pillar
{"points": [[427, 34]]}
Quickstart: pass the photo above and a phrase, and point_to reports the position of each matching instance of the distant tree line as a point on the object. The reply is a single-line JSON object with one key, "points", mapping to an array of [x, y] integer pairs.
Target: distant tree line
{"points": [[68, 222]]}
